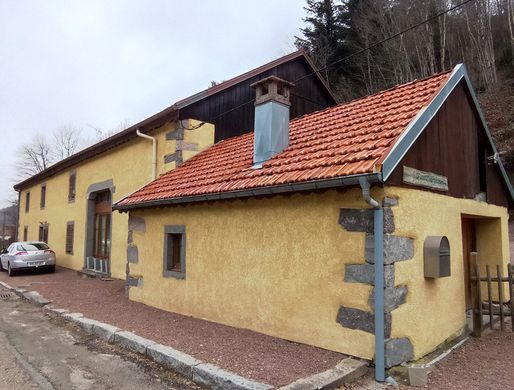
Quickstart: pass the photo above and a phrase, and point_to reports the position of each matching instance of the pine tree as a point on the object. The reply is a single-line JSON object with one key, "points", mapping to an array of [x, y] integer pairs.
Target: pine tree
{"points": [[324, 36]]}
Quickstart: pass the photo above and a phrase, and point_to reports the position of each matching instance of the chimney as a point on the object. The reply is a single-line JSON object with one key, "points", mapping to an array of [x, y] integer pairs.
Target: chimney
{"points": [[271, 129]]}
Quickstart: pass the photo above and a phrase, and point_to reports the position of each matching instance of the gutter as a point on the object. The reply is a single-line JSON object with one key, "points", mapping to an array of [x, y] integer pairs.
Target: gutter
{"points": [[154, 151], [345, 181], [378, 232]]}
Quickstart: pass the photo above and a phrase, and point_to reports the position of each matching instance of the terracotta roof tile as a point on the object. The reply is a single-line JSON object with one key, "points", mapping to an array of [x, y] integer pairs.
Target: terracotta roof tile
{"points": [[347, 139]]}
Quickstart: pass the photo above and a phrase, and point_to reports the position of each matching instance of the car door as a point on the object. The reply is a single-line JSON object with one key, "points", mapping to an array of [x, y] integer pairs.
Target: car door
{"points": [[4, 257]]}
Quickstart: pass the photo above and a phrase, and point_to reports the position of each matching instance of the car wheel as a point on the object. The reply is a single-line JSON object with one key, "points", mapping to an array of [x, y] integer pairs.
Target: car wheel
{"points": [[51, 269], [1, 267], [10, 271]]}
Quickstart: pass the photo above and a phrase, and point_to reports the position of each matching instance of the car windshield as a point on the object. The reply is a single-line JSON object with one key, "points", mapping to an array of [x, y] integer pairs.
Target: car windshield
{"points": [[32, 246]]}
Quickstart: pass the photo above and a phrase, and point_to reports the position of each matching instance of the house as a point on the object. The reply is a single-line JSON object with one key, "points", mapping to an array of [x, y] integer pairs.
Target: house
{"points": [[69, 204], [349, 228]]}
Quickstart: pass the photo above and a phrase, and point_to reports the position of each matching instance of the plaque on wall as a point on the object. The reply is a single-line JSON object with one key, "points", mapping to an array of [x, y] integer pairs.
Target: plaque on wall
{"points": [[430, 180]]}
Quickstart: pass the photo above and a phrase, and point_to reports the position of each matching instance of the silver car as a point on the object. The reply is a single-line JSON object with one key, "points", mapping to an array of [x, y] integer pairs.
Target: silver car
{"points": [[27, 255]]}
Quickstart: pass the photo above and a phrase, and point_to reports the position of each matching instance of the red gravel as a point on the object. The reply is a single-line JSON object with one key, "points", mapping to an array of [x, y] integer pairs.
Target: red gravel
{"points": [[484, 363], [253, 355]]}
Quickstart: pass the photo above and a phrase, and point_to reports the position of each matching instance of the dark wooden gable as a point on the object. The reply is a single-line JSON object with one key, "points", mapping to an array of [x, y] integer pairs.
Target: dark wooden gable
{"points": [[309, 95], [454, 144]]}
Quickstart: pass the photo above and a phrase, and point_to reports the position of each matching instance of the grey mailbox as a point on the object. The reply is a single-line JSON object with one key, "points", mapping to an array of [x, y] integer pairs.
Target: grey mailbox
{"points": [[436, 254]]}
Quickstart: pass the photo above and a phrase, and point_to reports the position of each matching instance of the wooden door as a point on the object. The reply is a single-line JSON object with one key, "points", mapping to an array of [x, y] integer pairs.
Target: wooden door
{"points": [[468, 245]]}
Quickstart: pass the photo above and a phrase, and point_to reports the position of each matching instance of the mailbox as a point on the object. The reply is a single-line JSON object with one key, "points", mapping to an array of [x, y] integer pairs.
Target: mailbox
{"points": [[436, 254]]}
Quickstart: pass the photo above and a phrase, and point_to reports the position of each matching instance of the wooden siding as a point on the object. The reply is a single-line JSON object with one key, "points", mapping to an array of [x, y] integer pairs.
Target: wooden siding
{"points": [[454, 145], [307, 96]]}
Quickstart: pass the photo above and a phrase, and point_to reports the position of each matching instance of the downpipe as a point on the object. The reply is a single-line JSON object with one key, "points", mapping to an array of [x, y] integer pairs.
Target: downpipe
{"points": [[378, 233], [154, 152]]}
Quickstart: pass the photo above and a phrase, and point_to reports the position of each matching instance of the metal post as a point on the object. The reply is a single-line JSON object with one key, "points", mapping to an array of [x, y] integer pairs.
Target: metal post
{"points": [[379, 295]]}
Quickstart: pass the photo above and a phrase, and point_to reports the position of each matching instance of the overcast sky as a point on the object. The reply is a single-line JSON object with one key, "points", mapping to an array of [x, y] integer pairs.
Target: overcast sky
{"points": [[98, 63]]}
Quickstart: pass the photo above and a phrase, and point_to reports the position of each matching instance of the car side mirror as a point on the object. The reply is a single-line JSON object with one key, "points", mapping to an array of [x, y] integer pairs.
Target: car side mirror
{"points": [[3, 251]]}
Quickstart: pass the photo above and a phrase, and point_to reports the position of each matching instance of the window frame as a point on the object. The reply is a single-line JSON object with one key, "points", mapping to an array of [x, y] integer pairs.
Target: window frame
{"points": [[68, 249], [43, 228], [72, 195], [27, 201], [42, 201], [170, 230]]}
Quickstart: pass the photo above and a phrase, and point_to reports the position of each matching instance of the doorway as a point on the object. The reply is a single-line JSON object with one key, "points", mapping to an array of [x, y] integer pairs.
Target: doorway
{"points": [[469, 244]]}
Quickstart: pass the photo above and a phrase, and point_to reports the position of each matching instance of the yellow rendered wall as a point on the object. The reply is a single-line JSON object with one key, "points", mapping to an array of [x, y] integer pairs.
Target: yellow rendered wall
{"points": [[435, 308], [272, 265], [128, 165], [277, 266]]}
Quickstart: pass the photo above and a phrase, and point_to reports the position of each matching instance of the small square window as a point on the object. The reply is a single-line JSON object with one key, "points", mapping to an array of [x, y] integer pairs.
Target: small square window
{"points": [[175, 251], [43, 232], [25, 233]]}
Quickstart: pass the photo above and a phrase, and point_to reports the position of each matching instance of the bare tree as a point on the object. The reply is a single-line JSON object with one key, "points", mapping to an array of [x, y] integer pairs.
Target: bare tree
{"points": [[34, 157], [66, 141]]}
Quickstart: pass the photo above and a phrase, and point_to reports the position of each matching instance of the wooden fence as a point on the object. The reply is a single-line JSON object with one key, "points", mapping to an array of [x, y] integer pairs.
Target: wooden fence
{"points": [[493, 281]]}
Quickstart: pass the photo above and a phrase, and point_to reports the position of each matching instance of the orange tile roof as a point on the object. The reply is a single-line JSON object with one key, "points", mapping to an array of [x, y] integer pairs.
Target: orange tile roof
{"points": [[344, 140]]}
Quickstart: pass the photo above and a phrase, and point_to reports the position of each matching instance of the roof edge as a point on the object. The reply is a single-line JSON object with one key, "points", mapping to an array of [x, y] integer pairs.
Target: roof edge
{"points": [[427, 113], [343, 181]]}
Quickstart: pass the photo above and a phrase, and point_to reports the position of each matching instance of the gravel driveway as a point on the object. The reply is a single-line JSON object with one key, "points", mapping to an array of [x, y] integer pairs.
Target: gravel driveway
{"points": [[247, 353], [483, 363]]}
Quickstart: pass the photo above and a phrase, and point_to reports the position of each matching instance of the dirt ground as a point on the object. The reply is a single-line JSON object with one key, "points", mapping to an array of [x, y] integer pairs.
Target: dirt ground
{"points": [[481, 363], [253, 355]]}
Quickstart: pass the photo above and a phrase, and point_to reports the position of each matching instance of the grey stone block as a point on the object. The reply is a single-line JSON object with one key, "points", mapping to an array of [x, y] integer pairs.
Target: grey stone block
{"points": [[36, 298], [191, 146], [215, 378], [352, 318], [174, 157], [136, 224], [72, 316], [175, 134], [134, 282], [398, 351], [132, 342], [396, 248], [418, 376], [393, 297], [365, 273], [173, 359], [105, 331], [390, 201], [85, 323], [132, 254], [57, 311], [130, 237], [362, 220], [345, 372]]}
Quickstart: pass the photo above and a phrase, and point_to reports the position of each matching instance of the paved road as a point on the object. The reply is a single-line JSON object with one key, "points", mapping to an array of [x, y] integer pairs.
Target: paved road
{"points": [[39, 352]]}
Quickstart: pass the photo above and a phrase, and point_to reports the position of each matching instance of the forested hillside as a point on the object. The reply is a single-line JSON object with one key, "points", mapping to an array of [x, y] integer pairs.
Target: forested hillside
{"points": [[437, 35]]}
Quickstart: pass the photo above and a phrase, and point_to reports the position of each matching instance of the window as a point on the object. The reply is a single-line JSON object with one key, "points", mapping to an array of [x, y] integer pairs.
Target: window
{"points": [[102, 247], [70, 227], [25, 233], [175, 251], [43, 232], [27, 202], [72, 186], [43, 196]]}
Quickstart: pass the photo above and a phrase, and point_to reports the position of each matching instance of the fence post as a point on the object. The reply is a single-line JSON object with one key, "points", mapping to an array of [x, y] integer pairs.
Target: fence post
{"points": [[510, 270], [500, 294], [489, 296]]}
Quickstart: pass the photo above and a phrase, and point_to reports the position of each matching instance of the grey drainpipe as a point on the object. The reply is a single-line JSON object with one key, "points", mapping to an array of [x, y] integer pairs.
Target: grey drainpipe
{"points": [[379, 279]]}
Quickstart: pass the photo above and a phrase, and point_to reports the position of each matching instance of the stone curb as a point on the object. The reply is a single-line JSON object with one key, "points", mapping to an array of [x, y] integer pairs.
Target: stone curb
{"points": [[345, 372], [200, 372]]}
